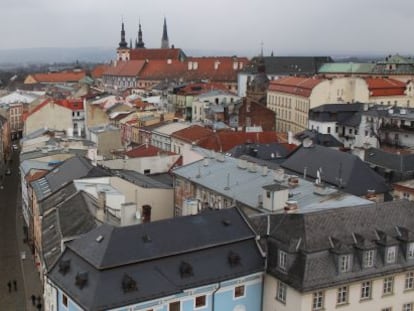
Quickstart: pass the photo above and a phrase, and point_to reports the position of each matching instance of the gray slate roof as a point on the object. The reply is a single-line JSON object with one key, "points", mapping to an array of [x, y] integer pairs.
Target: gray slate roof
{"points": [[73, 168], [392, 161], [289, 65], [152, 253], [145, 181], [357, 177], [312, 261], [317, 138], [68, 219], [270, 151]]}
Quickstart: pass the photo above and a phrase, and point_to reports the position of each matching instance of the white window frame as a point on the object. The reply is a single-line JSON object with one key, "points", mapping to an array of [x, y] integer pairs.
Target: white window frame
{"points": [[388, 286], [391, 254], [345, 263], [369, 256], [366, 290], [241, 296], [282, 260], [318, 300], [410, 250], [342, 295], [281, 292], [409, 280], [408, 306], [195, 302]]}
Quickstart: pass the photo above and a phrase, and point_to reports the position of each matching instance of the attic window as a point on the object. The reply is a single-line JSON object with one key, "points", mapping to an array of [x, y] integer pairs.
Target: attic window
{"points": [[233, 259], [345, 263], [128, 284], [186, 270], [81, 279], [391, 254], [64, 266], [410, 250]]}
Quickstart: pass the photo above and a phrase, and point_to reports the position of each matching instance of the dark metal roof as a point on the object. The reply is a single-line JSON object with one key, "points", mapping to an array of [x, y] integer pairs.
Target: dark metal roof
{"points": [[270, 151], [141, 180], [338, 168], [392, 161], [317, 138], [152, 255]]}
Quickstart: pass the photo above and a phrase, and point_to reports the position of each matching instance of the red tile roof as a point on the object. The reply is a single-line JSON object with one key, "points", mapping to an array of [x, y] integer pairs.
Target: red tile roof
{"points": [[192, 134], [385, 87], [99, 70], [200, 88], [151, 54], [295, 85], [55, 77], [146, 151], [163, 69], [219, 69], [223, 141], [126, 68]]}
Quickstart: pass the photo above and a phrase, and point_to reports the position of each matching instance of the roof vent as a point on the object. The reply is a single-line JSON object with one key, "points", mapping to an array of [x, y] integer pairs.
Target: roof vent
{"points": [[291, 206], [265, 171], [64, 266], [81, 279], [279, 175], [129, 284], [252, 167], [186, 270], [233, 259], [242, 164], [293, 181], [226, 222], [99, 239], [146, 238]]}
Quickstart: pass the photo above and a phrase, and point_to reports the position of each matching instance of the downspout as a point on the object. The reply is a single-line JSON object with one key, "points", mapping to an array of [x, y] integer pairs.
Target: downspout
{"points": [[213, 295]]}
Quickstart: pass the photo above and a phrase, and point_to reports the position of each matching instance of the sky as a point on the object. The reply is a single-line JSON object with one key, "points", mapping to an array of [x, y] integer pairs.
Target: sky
{"points": [[293, 27]]}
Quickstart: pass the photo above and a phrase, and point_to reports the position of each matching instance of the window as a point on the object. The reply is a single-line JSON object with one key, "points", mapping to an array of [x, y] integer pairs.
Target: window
{"points": [[65, 300], [391, 254], [410, 251], [200, 301], [329, 130], [409, 280], [345, 263], [369, 258], [317, 301], [239, 291], [336, 129], [175, 306], [387, 309], [282, 260], [408, 307], [342, 296], [350, 131], [366, 290], [281, 292], [388, 285]]}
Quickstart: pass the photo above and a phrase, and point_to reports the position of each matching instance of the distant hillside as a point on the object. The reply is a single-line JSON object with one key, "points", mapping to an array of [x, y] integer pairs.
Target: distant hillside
{"points": [[56, 55]]}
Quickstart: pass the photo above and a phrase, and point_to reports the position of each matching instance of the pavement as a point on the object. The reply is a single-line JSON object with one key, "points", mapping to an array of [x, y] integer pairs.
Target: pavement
{"points": [[31, 277]]}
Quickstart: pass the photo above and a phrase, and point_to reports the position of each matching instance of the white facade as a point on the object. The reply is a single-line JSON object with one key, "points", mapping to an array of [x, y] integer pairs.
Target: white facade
{"points": [[161, 137]]}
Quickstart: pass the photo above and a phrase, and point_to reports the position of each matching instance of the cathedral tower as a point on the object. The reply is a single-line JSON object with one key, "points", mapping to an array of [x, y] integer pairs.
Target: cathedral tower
{"points": [[164, 41]]}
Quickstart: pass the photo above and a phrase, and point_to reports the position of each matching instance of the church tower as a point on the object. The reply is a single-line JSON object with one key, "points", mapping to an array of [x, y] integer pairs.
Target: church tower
{"points": [[164, 41], [139, 44], [123, 50]]}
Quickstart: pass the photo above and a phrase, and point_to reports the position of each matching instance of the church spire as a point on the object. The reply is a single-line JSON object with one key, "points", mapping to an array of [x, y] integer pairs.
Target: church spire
{"points": [[164, 41], [140, 43], [123, 44]]}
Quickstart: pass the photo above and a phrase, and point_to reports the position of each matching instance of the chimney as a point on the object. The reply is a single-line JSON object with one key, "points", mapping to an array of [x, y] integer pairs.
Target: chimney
{"points": [[101, 211], [371, 195], [293, 181], [190, 65], [265, 170], [216, 64], [291, 206]]}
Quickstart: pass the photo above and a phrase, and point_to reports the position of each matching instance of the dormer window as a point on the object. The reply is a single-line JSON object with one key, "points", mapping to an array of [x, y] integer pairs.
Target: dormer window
{"points": [[282, 260], [368, 259], [391, 254], [345, 263], [410, 250]]}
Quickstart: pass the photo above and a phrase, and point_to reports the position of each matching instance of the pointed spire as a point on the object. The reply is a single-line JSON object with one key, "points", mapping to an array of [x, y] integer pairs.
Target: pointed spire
{"points": [[123, 43], [164, 41], [140, 43]]}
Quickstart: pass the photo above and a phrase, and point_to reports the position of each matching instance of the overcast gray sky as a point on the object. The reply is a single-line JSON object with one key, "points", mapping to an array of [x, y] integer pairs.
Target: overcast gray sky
{"points": [[285, 27]]}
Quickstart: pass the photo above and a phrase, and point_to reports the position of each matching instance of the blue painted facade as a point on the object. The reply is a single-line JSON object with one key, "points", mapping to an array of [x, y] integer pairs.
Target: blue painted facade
{"points": [[218, 297]]}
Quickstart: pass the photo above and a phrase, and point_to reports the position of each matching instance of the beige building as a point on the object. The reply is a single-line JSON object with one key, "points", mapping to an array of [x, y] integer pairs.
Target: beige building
{"points": [[292, 97], [350, 258], [48, 114], [107, 139]]}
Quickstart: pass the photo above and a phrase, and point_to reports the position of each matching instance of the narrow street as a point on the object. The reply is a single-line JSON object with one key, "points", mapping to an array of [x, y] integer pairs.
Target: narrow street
{"points": [[10, 267]]}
